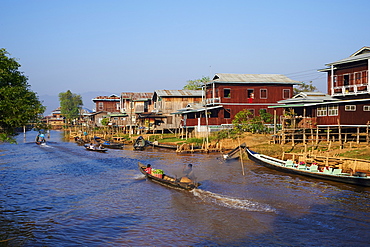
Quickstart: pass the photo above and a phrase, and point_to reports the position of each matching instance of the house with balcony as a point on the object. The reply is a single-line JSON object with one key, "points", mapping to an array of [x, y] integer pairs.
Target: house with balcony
{"points": [[55, 119], [341, 113], [348, 78], [227, 94]]}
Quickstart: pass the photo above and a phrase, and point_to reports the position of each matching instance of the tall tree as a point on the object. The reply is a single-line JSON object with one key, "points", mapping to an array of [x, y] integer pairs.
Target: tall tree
{"points": [[18, 104], [305, 87], [70, 105], [196, 84]]}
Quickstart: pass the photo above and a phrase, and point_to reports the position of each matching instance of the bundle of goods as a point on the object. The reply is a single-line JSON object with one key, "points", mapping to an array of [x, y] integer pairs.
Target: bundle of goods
{"points": [[157, 173]]}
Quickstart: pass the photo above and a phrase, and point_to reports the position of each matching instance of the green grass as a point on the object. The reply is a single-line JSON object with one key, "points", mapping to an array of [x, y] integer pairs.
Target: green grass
{"points": [[357, 154]]}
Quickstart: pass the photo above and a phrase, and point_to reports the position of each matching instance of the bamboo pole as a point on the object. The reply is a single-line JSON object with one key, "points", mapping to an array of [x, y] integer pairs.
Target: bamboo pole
{"points": [[241, 157]]}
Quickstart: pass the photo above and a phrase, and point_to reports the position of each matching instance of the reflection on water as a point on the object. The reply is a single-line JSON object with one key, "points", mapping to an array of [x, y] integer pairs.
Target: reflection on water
{"points": [[62, 195]]}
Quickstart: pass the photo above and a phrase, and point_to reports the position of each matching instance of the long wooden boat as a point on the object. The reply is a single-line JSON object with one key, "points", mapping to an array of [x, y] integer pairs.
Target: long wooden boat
{"points": [[168, 180], [312, 171], [160, 145], [235, 153], [95, 149], [112, 145]]}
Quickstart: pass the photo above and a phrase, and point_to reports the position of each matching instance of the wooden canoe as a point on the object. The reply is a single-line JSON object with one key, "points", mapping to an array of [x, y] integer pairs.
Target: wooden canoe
{"points": [[168, 180], [311, 171], [95, 149]]}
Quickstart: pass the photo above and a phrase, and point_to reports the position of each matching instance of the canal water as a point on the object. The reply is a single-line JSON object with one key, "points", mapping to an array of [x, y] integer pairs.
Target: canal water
{"points": [[62, 195]]}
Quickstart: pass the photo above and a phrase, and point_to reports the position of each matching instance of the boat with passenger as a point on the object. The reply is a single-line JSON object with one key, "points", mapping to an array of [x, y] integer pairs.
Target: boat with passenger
{"points": [[96, 148], [289, 166], [158, 176], [140, 143]]}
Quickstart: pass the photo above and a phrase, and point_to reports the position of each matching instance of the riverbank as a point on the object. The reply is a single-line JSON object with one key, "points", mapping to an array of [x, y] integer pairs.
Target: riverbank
{"points": [[261, 143]]}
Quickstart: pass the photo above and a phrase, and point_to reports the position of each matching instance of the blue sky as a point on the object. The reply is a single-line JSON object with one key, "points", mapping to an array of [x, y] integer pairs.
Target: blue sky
{"points": [[140, 46]]}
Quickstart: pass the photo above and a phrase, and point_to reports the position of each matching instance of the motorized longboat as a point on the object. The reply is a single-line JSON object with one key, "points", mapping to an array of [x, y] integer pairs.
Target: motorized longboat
{"points": [[289, 166], [169, 181]]}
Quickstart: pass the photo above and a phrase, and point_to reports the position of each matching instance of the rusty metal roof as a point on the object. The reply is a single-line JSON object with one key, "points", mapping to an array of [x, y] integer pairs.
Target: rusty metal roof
{"points": [[179, 93], [252, 78], [113, 97], [137, 96]]}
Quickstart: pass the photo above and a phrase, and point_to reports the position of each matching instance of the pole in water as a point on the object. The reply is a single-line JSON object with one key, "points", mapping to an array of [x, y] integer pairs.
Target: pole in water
{"points": [[241, 157]]}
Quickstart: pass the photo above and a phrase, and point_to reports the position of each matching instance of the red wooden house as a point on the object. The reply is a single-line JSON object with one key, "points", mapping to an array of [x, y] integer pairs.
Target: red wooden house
{"points": [[347, 104], [349, 77], [228, 94], [107, 103]]}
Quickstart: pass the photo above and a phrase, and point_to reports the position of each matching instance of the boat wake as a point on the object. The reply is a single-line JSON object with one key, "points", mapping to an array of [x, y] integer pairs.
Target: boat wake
{"points": [[230, 202]]}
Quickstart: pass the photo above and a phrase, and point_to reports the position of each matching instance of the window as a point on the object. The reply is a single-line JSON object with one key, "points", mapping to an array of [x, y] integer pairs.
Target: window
{"points": [[366, 107], [227, 113], [321, 111], [117, 106], [227, 93], [214, 114], [358, 78], [169, 120], [251, 111], [250, 93], [263, 93], [335, 81], [100, 105], [346, 80], [333, 110], [350, 108], [286, 93]]}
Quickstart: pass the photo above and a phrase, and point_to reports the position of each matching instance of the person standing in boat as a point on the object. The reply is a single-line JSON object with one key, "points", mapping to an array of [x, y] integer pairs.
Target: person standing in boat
{"points": [[188, 172]]}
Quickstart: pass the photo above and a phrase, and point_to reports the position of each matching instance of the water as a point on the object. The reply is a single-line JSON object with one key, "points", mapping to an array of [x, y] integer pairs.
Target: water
{"points": [[63, 195]]}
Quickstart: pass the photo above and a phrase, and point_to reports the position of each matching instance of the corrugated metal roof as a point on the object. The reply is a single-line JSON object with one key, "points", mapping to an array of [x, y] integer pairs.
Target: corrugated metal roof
{"points": [[363, 56], [113, 97], [178, 93], [308, 97], [137, 96], [253, 78]]}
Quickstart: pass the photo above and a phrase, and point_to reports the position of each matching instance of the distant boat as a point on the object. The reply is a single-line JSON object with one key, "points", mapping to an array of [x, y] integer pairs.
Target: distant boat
{"points": [[95, 148], [40, 139], [140, 143], [235, 153], [289, 166], [159, 145], [112, 145]]}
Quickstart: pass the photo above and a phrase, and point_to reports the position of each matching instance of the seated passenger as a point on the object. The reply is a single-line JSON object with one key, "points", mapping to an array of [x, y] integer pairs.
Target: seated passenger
{"points": [[148, 169]]}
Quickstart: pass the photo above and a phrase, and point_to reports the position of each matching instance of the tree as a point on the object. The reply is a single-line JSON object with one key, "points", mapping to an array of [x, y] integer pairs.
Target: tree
{"points": [[70, 105], [243, 121], [196, 84], [305, 87], [19, 105]]}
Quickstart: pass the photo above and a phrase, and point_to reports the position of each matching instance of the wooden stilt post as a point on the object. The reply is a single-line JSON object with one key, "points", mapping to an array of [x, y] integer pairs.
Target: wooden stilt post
{"points": [[358, 135], [317, 135], [328, 134]]}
